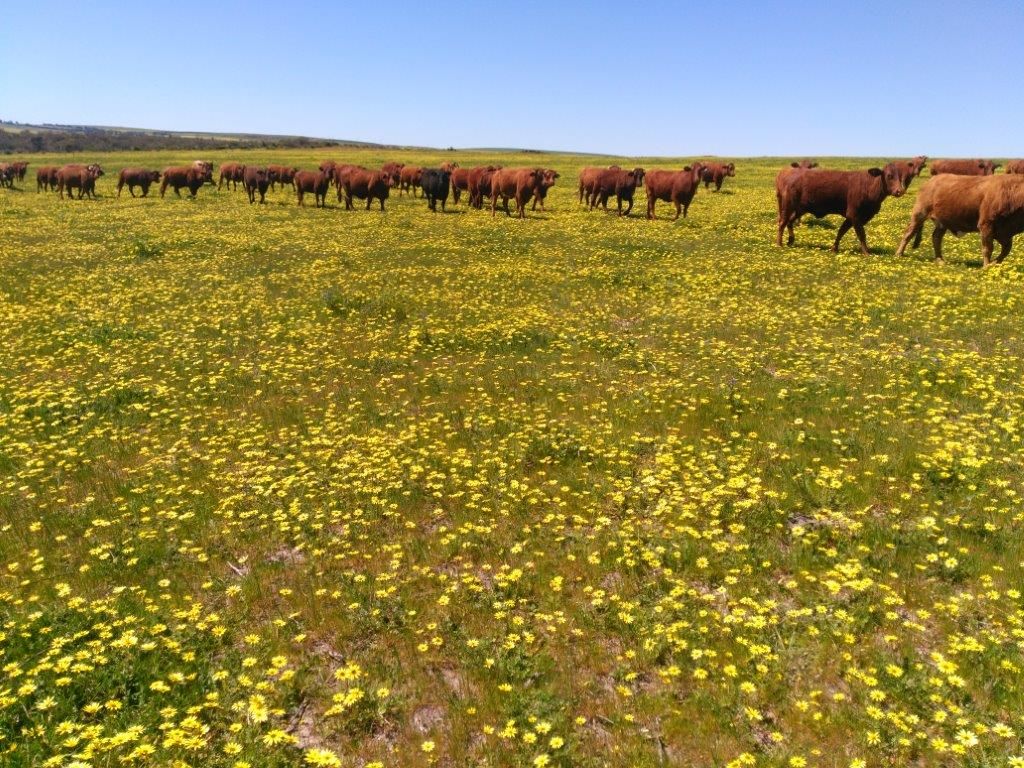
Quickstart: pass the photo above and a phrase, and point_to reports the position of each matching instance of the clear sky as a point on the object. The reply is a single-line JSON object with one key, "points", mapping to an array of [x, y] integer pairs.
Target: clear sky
{"points": [[681, 78]]}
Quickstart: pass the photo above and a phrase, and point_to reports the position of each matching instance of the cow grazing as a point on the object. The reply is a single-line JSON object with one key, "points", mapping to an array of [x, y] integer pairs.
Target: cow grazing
{"points": [[280, 174], [409, 179], [480, 184], [191, 177], [990, 205], [716, 173], [855, 195], [46, 178], [1015, 166], [362, 183], [435, 183], [620, 183], [231, 173], [256, 179], [964, 167], [676, 187], [587, 178], [136, 177], [317, 182], [519, 184], [394, 170], [80, 177], [547, 181]]}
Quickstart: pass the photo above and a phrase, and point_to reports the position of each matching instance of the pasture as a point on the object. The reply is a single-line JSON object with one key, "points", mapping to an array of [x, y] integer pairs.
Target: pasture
{"points": [[282, 486]]}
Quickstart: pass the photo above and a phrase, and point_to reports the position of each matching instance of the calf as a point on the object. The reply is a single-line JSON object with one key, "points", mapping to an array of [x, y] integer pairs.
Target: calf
{"points": [[280, 174], [231, 173], [676, 187], [520, 184], [190, 176], [1015, 166], [82, 177], [855, 195], [964, 167], [409, 179], [364, 184], [620, 183], [136, 177], [990, 205], [394, 170], [547, 181], [317, 182], [716, 173], [255, 179], [46, 178], [587, 178], [434, 182]]}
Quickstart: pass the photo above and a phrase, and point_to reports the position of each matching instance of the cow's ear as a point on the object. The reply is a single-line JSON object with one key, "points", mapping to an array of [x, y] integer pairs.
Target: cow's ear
{"points": [[687, 167], [875, 171]]}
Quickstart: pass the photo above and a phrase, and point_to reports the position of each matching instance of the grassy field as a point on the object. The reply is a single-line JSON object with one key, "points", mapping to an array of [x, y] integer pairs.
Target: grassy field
{"points": [[285, 486]]}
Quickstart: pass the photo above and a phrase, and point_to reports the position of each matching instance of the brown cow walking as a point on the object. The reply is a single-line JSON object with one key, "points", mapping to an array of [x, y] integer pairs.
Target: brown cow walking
{"points": [[231, 173], [317, 182], [409, 180], [480, 184], [964, 167], [676, 187], [255, 179], [547, 181], [280, 174], [136, 177], [716, 173], [46, 178], [620, 183], [394, 170], [587, 178], [363, 184], [191, 177], [519, 184], [81, 177]]}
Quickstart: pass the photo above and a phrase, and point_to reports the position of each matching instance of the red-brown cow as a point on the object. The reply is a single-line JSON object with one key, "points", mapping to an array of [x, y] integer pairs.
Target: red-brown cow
{"points": [[191, 177], [855, 195], [394, 170], [136, 177], [231, 173], [547, 181], [676, 187], [716, 173], [448, 167], [81, 177], [317, 182], [1015, 166], [991, 205], [20, 169], [587, 178], [519, 184], [410, 180], [964, 167], [280, 174], [460, 183], [480, 184], [255, 179], [46, 178], [364, 184], [620, 183]]}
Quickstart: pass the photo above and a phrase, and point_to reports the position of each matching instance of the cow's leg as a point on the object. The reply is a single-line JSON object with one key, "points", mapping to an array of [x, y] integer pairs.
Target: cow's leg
{"points": [[679, 209], [863, 238], [987, 241], [382, 204], [937, 234], [843, 229], [650, 207], [718, 186], [1004, 248], [913, 231], [629, 208]]}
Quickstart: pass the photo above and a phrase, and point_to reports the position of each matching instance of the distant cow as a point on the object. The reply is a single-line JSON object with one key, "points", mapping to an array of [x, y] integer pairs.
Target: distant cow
{"points": [[256, 179], [519, 184], [480, 184], [449, 166], [317, 182], [716, 173], [991, 205], [20, 169], [1015, 166], [964, 167], [855, 195], [620, 183], [136, 177], [587, 178], [191, 177], [394, 170], [434, 182], [80, 177], [547, 181], [231, 173], [364, 184], [280, 174], [409, 179], [7, 175], [46, 178], [676, 187]]}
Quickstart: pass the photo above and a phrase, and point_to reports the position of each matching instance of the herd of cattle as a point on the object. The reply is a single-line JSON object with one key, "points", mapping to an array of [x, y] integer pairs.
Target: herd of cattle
{"points": [[963, 195]]}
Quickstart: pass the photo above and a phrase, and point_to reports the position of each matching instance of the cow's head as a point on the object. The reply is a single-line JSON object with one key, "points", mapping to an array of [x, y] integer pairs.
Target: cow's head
{"points": [[894, 178], [549, 177], [638, 175], [730, 169], [154, 175], [94, 170]]}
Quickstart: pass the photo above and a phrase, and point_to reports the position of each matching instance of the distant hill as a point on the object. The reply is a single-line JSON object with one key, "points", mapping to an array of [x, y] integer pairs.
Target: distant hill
{"points": [[48, 137]]}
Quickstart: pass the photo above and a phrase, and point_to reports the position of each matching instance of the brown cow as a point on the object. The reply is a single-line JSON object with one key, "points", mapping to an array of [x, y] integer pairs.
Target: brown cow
{"points": [[342, 172], [480, 184], [547, 181], [136, 177], [364, 184], [587, 178], [460, 183], [1015, 166], [394, 170], [620, 183], [82, 177], [855, 195], [232, 174], [519, 184], [676, 187], [448, 167], [207, 167], [21, 167], [964, 167], [328, 166], [255, 179], [991, 205], [717, 173], [281, 174], [190, 176], [46, 178], [317, 182], [409, 180], [7, 175]]}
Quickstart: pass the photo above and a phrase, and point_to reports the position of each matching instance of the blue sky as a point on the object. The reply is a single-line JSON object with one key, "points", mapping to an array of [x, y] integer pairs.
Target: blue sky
{"points": [[647, 78]]}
